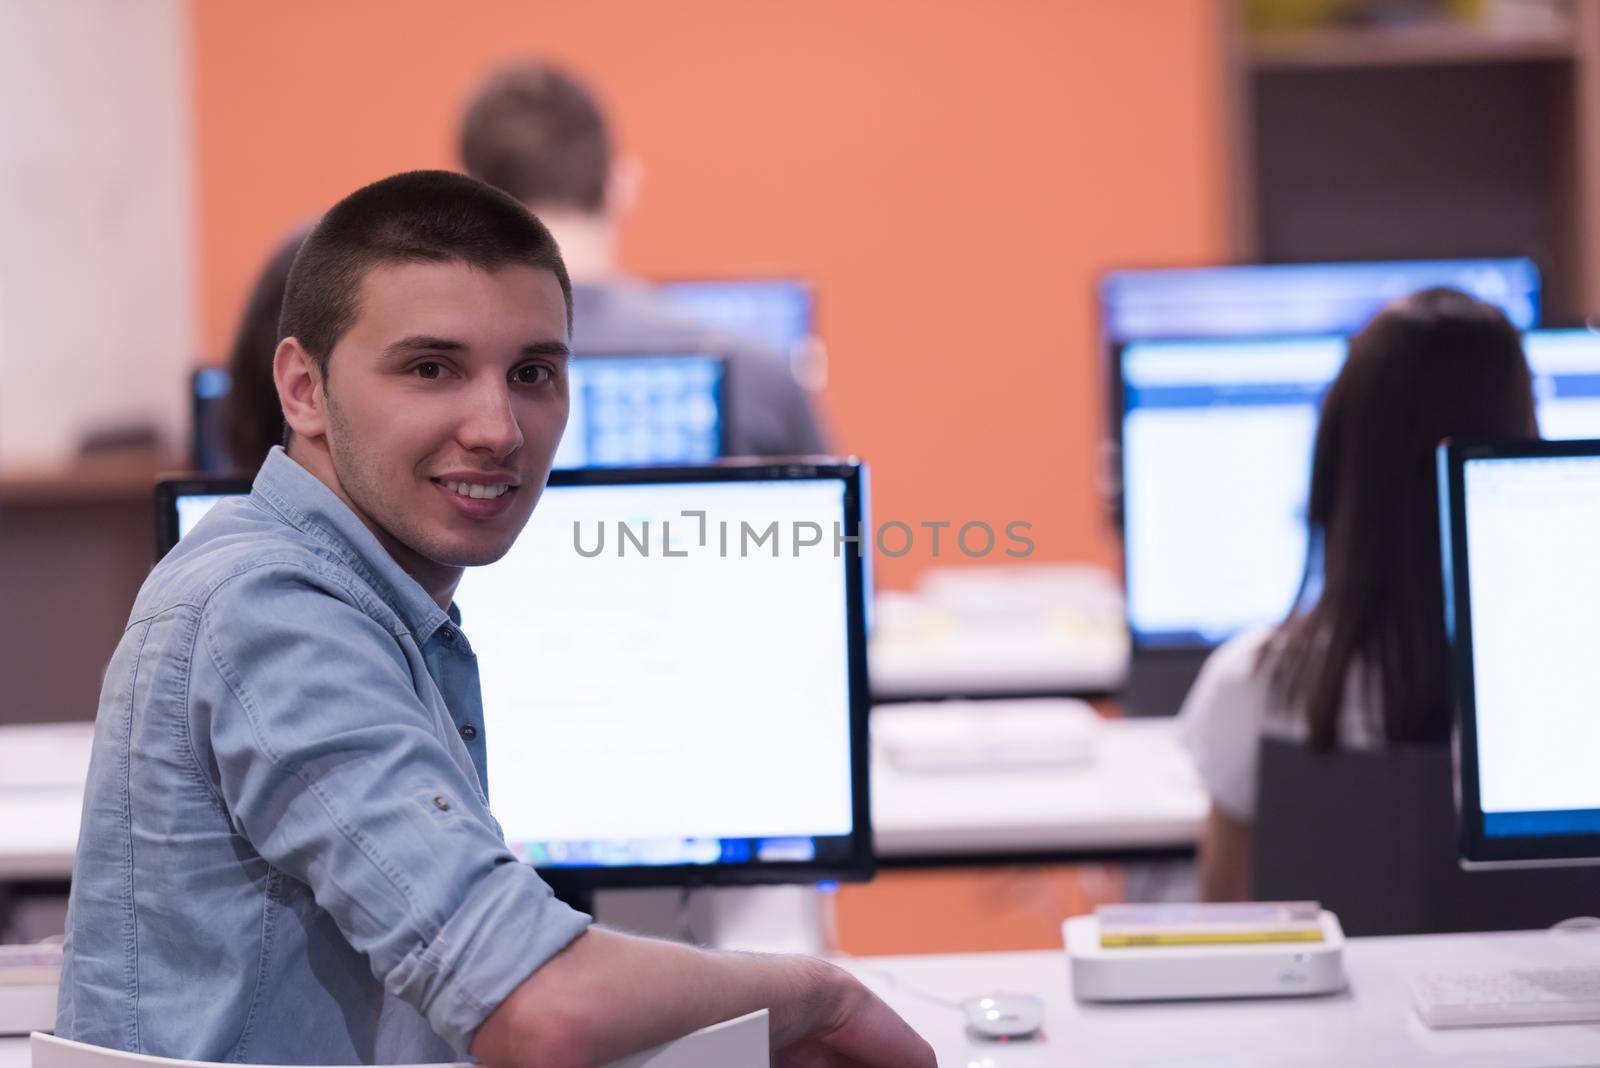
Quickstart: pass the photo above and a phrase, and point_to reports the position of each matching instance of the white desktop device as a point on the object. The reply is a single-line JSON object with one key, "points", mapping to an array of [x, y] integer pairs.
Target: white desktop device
{"points": [[1193, 972]]}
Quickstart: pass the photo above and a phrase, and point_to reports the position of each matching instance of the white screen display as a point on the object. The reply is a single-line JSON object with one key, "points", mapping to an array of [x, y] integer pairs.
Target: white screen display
{"points": [[633, 697], [1216, 454], [1217, 442], [193, 509], [1533, 568]]}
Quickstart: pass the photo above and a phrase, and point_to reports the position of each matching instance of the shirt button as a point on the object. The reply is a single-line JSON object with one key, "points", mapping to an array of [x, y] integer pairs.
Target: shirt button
{"points": [[447, 634], [469, 732], [441, 804]]}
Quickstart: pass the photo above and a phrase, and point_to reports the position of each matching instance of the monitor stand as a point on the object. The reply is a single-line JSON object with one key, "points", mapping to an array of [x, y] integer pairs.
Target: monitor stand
{"points": [[1159, 680]]}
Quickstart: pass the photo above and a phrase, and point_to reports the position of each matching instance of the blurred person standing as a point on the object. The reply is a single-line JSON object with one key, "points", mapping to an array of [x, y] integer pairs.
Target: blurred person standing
{"points": [[539, 134]]}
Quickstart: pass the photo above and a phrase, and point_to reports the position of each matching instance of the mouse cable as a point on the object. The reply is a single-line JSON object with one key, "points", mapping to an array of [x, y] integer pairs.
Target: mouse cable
{"points": [[889, 978]]}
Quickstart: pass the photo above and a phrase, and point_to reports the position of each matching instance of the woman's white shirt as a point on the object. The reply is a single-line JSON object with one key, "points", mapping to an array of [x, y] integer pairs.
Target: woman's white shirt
{"points": [[1230, 708]]}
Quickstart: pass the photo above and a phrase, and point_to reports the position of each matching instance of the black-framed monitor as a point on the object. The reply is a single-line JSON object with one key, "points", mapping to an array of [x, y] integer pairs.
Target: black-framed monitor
{"points": [[1266, 300], [703, 675], [778, 312], [1215, 443], [626, 409], [208, 443], [1520, 523]]}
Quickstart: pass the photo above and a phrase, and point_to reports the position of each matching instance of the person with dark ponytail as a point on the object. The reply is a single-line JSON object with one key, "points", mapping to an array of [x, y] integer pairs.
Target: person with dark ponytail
{"points": [[1362, 660], [252, 415]]}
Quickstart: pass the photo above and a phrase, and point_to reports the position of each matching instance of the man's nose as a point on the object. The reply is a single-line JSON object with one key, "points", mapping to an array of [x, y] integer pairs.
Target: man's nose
{"points": [[491, 423]]}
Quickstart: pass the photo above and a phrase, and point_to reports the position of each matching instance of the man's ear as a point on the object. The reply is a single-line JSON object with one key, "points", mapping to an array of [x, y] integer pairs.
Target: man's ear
{"points": [[300, 389]]}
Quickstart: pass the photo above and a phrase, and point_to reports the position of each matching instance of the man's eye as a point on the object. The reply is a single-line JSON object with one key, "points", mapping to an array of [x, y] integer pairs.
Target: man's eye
{"points": [[531, 375], [429, 370]]}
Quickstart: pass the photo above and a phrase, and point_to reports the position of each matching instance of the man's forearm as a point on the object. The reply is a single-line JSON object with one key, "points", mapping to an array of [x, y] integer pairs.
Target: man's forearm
{"points": [[607, 995]]}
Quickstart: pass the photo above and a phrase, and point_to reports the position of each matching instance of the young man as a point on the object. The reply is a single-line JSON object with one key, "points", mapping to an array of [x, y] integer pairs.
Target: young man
{"points": [[287, 854], [540, 135]]}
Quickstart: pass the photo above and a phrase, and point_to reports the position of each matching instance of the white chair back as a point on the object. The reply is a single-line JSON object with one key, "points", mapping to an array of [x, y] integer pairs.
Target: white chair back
{"points": [[738, 1043]]}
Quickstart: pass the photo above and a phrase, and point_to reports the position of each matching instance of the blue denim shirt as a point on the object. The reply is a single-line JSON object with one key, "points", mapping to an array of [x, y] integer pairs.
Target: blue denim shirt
{"points": [[287, 855]]}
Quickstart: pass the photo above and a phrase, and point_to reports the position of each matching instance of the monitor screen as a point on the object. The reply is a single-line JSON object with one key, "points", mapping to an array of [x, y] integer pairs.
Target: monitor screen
{"points": [[1216, 467], [635, 409], [1216, 464], [697, 747], [630, 410], [1521, 524], [775, 312], [1307, 298], [208, 445]]}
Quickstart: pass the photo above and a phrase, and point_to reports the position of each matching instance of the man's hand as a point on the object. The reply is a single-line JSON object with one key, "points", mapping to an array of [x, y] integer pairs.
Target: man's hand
{"points": [[854, 1027]]}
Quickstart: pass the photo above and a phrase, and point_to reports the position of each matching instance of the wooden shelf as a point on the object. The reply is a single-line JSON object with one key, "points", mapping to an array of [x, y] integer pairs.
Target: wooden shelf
{"points": [[1444, 44], [86, 481]]}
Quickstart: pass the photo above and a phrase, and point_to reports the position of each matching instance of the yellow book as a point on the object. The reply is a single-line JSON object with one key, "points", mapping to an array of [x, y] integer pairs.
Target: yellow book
{"points": [[1241, 923]]}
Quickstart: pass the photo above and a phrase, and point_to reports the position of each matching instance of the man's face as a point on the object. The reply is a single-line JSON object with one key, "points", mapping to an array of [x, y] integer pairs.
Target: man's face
{"points": [[446, 399]]}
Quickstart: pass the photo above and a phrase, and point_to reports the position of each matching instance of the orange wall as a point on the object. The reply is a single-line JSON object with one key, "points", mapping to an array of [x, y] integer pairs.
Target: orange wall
{"points": [[951, 176]]}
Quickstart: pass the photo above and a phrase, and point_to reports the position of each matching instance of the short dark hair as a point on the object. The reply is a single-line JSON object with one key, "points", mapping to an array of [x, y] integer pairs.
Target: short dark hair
{"points": [[538, 133], [415, 217]]}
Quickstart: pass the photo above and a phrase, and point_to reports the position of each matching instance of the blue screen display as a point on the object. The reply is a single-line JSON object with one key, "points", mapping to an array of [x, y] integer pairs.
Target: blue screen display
{"points": [[1278, 299], [775, 312]]}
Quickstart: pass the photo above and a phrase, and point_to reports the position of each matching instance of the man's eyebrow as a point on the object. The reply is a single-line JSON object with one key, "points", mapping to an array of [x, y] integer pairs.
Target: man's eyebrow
{"points": [[419, 343], [547, 348]]}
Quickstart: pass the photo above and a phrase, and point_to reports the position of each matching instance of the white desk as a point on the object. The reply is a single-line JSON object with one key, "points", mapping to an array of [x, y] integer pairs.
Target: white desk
{"points": [[1140, 793], [42, 772], [1370, 1024]]}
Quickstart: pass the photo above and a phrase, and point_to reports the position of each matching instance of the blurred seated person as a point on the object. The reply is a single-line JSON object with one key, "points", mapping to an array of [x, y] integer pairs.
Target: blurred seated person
{"points": [[252, 414], [1362, 661], [539, 134]]}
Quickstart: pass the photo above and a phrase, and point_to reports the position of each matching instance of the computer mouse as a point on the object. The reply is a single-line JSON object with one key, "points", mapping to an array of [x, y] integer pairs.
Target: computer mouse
{"points": [[1004, 1016]]}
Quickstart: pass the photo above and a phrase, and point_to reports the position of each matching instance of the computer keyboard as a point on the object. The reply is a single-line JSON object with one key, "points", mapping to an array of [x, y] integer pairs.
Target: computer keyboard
{"points": [[1514, 996]]}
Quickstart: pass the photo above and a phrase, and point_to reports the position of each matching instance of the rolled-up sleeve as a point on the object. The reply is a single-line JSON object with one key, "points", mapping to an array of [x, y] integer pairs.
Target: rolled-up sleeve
{"points": [[336, 772]]}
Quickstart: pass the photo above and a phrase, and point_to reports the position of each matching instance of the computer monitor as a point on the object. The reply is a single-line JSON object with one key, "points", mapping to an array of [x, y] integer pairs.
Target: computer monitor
{"points": [[1216, 459], [1216, 440], [208, 443], [633, 409], [1270, 300], [1520, 524], [644, 409], [183, 502], [774, 311], [691, 642]]}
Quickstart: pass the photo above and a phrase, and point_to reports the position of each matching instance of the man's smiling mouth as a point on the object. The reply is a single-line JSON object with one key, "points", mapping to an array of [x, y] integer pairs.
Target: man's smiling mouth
{"points": [[474, 490]]}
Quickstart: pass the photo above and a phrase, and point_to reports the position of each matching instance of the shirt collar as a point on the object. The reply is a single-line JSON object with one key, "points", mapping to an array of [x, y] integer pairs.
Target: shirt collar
{"points": [[307, 504]]}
